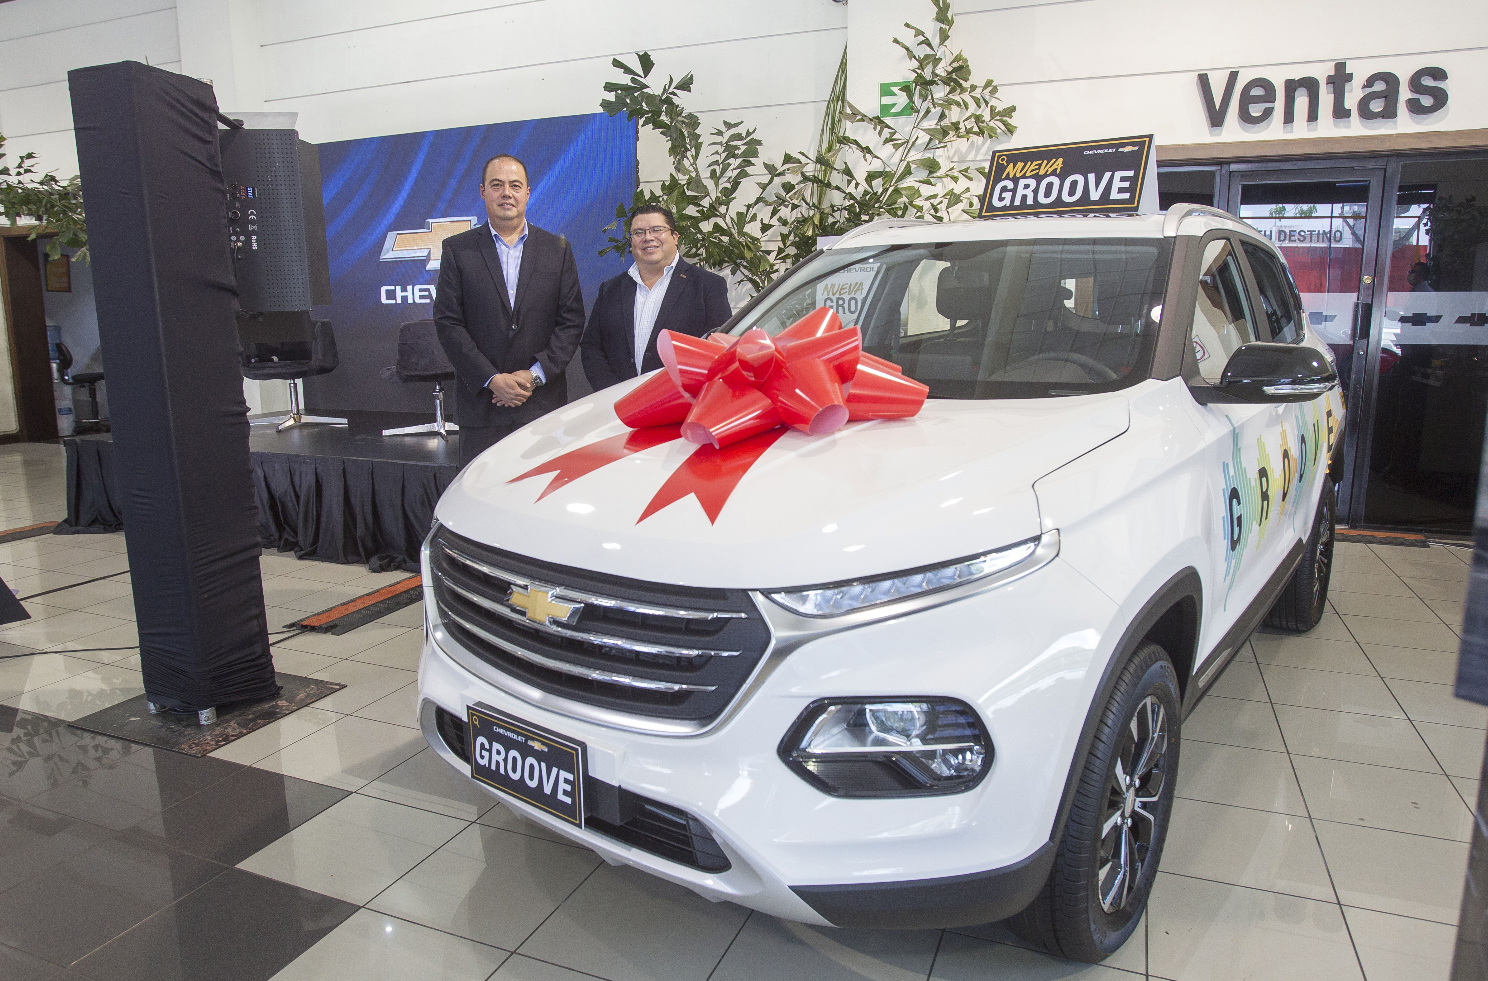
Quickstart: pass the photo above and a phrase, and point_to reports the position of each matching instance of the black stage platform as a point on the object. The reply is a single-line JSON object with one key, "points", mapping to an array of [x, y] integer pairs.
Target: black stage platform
{"points": [[323, 492]]}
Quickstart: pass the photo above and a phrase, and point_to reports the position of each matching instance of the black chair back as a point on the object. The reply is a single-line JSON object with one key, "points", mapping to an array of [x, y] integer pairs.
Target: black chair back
{"points": [[285, 345]]}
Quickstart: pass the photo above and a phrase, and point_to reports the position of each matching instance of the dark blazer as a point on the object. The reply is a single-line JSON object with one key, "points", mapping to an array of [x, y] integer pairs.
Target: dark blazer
{"points": [[696, 302], [484, 336]]}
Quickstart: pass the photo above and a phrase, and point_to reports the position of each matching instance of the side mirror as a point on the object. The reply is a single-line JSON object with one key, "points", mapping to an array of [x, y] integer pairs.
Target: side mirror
{"points": [[1262, 372]]}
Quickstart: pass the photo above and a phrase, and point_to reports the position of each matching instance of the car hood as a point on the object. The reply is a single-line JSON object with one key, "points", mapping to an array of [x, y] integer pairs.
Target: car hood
{"points": [[873, 498]]}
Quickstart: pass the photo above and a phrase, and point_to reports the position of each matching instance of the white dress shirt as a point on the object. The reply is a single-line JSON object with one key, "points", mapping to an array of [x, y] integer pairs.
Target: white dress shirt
{"points": [[647, 305], [511, 268]]}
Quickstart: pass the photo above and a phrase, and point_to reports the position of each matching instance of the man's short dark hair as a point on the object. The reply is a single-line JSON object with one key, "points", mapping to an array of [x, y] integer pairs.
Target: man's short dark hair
{"points": [[504, 156], [654, 209]]}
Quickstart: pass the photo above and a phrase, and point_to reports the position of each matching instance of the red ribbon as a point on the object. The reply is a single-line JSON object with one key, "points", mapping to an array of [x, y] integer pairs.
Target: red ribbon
{"points": [[734, 400], [812, 376]]}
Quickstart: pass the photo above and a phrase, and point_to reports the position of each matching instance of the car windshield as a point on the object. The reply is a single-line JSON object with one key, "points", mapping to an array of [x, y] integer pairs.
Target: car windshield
{"points": [[1030, 318]]}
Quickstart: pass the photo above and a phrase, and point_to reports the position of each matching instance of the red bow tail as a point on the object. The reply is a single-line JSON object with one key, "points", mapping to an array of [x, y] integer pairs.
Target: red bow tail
{"points": [[570, 466]]}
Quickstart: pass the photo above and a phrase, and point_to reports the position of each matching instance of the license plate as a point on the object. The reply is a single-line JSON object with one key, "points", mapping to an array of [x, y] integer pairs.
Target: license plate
{"points": [[529, 763]]}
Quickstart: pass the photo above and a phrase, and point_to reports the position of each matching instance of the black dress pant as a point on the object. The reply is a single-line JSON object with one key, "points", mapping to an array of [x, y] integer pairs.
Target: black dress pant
{"points": [[474, 440]]}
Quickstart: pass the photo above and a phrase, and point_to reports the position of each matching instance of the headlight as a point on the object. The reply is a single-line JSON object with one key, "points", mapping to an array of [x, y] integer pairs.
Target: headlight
{"points": [[835, 600], [909, 747]]}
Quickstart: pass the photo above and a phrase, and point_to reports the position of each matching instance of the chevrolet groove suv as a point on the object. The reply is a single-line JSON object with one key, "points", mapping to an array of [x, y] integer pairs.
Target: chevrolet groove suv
{"points": [[917, 672]]}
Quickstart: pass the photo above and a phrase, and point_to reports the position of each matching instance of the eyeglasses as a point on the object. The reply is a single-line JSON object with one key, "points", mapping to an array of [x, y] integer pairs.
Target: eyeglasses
{"points": [[659, 231]]}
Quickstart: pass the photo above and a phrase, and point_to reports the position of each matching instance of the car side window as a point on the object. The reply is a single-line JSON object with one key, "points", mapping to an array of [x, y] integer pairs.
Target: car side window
{"points": [[1276, 295], [1222, 320]]}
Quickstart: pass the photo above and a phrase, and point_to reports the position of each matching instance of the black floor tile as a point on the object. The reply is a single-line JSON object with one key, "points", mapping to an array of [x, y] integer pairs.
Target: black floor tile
{"points": [[33, 841], [121, 795], [238, 816], [83, 902], [16, 725], [238, 927], [17, 965], [44, 761]]}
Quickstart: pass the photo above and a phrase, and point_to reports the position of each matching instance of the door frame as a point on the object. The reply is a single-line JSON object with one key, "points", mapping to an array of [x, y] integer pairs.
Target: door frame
{"points": [[1383, 177]]}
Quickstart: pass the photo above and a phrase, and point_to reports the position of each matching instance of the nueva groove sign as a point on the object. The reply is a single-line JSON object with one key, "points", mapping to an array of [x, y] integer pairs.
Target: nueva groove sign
{"points": [[1093, 177]]}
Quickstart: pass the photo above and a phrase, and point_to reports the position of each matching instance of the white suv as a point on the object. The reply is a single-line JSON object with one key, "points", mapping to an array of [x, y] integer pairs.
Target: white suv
{"points": [[917, 672]]}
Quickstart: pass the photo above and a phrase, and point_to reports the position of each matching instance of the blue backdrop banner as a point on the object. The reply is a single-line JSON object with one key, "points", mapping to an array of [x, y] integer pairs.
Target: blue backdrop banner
{"points": [[391, 200]]}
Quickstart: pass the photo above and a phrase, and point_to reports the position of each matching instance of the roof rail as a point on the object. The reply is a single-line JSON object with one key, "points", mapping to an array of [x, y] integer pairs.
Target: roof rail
{"points": [[1175, 215], [880, 225]]}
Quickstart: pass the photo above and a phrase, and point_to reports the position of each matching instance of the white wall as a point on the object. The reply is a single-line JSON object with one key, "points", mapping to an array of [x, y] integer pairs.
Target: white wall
{"points": [[1074, 68]]}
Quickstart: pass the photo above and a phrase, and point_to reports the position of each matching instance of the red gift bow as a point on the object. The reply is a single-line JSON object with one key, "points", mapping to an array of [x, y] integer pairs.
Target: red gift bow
{"points": [[812, 376], [736, 400]]}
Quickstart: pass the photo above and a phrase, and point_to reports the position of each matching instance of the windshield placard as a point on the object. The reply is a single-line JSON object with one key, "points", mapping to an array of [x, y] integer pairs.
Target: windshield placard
{"points": [[847, 290]]}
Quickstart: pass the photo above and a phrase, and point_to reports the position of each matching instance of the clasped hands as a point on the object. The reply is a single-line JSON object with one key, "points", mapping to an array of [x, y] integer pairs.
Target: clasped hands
{"points": [[512, 389]]}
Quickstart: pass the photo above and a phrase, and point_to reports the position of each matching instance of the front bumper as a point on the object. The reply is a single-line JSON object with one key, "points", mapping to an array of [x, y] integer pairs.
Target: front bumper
{"points": [[793, 851]]}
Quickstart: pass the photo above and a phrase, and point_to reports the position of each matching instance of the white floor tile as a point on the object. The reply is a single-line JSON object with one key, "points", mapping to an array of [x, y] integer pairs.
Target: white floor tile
{"points": [[1383, 797], [265, 742], [1394, 948], [426, 781], [1242, 847], [354, 849], [489, 885], [1393, 872], [375, 947], [349, 753]]}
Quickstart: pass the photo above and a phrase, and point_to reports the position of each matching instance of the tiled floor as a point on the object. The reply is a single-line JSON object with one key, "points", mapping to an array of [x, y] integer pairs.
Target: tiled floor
{"points": [[1321, 831]]}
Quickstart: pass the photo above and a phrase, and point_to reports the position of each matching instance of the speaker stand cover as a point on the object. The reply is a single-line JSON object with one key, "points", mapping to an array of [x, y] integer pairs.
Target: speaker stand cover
{"points": [[157, 228]]}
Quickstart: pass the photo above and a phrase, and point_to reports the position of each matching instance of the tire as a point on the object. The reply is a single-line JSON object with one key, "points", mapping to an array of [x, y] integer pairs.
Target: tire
{"points": [[1089, 906], [1305, 596]]}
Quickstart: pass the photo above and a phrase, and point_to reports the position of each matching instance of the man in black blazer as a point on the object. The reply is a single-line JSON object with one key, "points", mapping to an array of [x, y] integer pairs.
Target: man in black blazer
{"points": [[661, 291], [508, 311]]}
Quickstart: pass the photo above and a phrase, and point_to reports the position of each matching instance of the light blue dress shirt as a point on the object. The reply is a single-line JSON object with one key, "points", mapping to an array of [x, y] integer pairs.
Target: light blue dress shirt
{"points": [[511, 268], [648, 306]]}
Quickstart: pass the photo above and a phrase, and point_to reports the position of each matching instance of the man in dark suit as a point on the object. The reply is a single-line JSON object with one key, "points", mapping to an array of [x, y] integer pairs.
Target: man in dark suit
{"points": [[508, 311], [661, 291]]}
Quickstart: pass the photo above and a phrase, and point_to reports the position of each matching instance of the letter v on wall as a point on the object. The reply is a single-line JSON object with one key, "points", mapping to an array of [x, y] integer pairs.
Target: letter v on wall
{"points": [[1217, 111]]}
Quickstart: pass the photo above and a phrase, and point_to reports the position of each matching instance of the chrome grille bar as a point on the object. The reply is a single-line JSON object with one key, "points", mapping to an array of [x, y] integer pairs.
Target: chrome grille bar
{"points": [[574, 670], [608, 602], [602, 640]]}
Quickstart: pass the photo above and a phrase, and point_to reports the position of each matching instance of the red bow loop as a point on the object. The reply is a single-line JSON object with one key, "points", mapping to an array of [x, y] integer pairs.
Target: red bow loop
{"points": [[812, 376]]}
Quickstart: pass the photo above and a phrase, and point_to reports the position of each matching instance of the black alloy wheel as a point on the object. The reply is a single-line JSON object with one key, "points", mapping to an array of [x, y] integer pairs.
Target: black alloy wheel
{"points": [[1130, 823], [1304, 598], [1108, 855]]}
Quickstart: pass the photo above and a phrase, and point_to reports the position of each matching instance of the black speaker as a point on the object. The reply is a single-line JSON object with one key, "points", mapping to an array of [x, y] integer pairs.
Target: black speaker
{"points": [[276, 219]]}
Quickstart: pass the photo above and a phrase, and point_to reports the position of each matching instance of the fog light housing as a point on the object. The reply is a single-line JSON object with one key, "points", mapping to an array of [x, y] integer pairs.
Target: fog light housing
{"points": [[899, 747]]}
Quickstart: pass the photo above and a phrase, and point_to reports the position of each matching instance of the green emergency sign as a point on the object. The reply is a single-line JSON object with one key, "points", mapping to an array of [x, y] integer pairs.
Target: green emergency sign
{"points": [[894, 98]]}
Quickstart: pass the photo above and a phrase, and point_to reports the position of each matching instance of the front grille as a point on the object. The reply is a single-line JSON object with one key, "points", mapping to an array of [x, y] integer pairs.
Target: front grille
{"points": [[671, 652], [639, 821]]}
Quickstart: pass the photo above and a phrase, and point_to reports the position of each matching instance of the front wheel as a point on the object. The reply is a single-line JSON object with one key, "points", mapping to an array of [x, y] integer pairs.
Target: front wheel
{"points": [[1305, 595], [1108, 855]]}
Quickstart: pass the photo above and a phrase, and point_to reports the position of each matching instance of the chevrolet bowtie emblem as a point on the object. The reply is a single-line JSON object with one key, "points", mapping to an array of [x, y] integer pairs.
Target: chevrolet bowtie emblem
{"points": [[540, 607], [424, 243]]}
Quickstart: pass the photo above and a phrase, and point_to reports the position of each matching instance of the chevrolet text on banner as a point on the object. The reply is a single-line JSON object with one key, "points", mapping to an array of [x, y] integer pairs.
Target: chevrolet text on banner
{"points": [[1109, 177]]}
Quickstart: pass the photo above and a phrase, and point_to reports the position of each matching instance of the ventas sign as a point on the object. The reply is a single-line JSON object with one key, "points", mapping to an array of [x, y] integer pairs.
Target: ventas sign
{"points": [[1097, 177]]}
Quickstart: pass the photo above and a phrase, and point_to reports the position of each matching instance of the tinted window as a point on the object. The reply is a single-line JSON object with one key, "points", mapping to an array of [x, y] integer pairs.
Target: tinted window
{"points": [[1276, 293], [1221, 321], [1031, 318]]}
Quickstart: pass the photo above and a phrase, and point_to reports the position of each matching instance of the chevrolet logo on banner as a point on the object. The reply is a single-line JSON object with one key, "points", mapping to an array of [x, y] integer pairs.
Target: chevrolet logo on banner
{"points": [[424, 243]]}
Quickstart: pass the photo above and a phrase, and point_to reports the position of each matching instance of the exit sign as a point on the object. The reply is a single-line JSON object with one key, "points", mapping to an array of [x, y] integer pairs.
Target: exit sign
{"points": [[894, 98]]}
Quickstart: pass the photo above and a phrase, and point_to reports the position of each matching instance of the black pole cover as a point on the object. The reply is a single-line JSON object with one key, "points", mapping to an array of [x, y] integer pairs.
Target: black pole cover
{"points": [[157, 228]]}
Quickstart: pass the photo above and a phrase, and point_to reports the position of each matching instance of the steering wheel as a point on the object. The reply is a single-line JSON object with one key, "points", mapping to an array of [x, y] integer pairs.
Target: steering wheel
{"points": [[1088, 364]]}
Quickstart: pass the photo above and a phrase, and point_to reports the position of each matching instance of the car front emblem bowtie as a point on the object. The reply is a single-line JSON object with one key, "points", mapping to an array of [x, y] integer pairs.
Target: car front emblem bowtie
{"points": [[540, 607]]}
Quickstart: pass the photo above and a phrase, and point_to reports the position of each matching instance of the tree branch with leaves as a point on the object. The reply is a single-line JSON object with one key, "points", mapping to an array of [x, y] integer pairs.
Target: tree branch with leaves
{"points": [[740, 214], [55, 206]]}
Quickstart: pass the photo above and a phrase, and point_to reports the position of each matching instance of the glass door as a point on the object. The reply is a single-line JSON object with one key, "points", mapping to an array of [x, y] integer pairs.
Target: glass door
{"points": [[1326, 221], [1426, 435]]}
